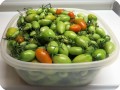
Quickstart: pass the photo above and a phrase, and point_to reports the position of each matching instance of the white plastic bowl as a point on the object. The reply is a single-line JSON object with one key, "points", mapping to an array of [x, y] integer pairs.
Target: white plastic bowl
{"points": [[59, 74]]}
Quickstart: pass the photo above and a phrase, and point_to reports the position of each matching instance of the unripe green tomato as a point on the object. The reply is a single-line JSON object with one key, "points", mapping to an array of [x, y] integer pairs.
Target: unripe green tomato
{"points": [[82, 41], [75, 50], [35, 25], [64, 18], [96, 36], [61, 58], [47, 34], [52, 47], [82, 58], [31, 11], [39, 11], [89, 50], [42, 15], [92, 17], [12, 32], [52, 10], [27, 26], [70, 34], [80, 15], [27, 55], [20, 21], [31, 17], [31, 46], [42, 29], [109, 47], [60, 27], [53, 26], [63, 49], [91, 29], [100, 31], [50, 17], [45, 22], [99, 54], [32, 33]]}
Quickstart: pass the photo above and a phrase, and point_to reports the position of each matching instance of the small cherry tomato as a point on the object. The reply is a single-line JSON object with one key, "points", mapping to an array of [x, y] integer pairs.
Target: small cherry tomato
{"points": [[71, 14], [82, 23], [75, 27], [19, 39], [59, 11]]}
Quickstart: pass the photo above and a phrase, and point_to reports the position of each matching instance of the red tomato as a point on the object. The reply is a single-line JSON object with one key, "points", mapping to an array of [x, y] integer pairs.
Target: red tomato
{"points": [[71, 14], [59, 11], [75, 27], [43, 56], [82, 23]]}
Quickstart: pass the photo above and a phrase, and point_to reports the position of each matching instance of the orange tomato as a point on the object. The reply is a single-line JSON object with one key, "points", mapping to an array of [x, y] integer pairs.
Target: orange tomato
{"points": [[75, 27], [82, 23], [59, 11], [43, 56], [71, 14]]}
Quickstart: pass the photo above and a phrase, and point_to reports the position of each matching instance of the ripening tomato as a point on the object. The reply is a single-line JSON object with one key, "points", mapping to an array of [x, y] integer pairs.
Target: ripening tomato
{"points": [[19, 39], [75, 27], [71, 14], [43, 56], [59, 11], [82, 23]]}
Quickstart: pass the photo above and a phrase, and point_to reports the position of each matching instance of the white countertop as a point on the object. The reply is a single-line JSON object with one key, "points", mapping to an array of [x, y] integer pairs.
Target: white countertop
{"points": [[108, 78]]}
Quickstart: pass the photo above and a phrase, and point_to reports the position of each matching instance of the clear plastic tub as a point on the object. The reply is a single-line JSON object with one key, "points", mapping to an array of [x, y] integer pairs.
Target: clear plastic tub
{"points": [[58, 74]]}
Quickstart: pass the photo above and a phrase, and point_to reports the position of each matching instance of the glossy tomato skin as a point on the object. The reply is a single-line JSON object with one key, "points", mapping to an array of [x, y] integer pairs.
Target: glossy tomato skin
{"points": [[43, 56], [71, 14], [75, 27], [81, 22]]}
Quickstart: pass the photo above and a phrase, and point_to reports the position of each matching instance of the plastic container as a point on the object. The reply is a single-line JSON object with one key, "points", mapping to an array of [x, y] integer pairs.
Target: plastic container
{"points": [[58, 74]]}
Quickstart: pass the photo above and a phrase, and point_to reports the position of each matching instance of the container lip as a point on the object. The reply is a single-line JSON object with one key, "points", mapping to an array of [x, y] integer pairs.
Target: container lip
{"points": [[21, 64]]}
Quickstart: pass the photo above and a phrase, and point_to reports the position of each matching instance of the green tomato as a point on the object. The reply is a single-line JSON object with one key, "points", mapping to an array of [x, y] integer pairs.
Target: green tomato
{"points": [[39, 11], [32, 33], [27, 55], [89, 50], [35, 25], [61, 58], [99, 54], [31, 46], [52, 47], [82, 58], [91, 29], [60, 27], [45, 22], [70, 34], [42, 29], [32, 17], [64, 18], [100, 31], [63, 49], [27, 26], [109, 47], [42, 15], [96, 36], [53, 26], [12, 32], [82, 41], [92, 17], [31, 11], [75, 50], [52, 10], [47, 34], [50, 17]]}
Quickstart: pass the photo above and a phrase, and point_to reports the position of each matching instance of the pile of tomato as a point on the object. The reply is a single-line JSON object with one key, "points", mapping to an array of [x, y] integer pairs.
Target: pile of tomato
{"points": [[50, 35]]}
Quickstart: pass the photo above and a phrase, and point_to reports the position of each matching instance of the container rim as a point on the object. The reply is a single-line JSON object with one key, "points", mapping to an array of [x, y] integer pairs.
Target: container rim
{"points": [[28, 65]]}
